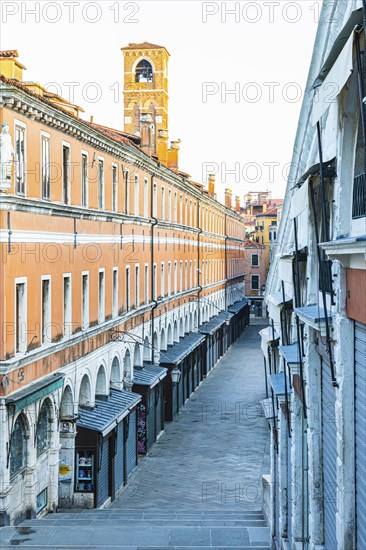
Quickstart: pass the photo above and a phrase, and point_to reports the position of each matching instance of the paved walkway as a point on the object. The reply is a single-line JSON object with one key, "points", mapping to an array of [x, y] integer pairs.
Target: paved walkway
{"points": [[213, 454], [200, 486]]}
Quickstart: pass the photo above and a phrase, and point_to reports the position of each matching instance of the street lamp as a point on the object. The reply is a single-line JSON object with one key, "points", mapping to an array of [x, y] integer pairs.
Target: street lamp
{"points": [[175, 374]]}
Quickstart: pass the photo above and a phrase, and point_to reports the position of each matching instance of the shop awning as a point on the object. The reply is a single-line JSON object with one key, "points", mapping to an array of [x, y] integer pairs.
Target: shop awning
{"points": [[35, 391], [299, 200], [290, 353], [277, 382], [274, 303], [267, 338], [267, 406], [238, 306], [276, 298], [108, 412], [285, 268], [149, 375], [175, 354], [312, 315], [210, 327]]}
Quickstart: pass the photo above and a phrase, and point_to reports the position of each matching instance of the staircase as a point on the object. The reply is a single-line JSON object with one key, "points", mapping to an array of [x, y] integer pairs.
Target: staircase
{"points": [[128, 529]]}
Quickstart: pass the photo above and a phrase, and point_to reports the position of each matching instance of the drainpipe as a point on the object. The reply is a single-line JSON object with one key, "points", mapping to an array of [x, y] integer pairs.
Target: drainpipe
{"points": [[153, 222], [198, 262]]}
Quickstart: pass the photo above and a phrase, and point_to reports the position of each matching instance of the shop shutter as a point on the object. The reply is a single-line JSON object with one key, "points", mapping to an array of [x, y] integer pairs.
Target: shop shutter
{"points": [[289, 490], [103, 474], [151, 419], [276, 501], [175, 400], [159, 405], [118, 462], [131, 444], [329, 446], [360, 432]]}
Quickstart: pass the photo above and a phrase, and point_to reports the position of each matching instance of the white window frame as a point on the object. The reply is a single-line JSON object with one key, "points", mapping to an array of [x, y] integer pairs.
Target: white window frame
{"points": [[136, 195], [169, 279], [20, 165], [128, 287], [101, 295], [85, 301], [155, 278], [22, 329], [127, 191], [251, 282], [175, 277], [155, 200], [84, 199], [46, 168], [114, 187], [163, 203], [169, 205], [67, 307], [101, 191], [175, 207], [67, 199], [162, 280], [46, 320], [115, 284], [146, 283], [180, 275], [251, 263], [137, 285], [146, 198]]}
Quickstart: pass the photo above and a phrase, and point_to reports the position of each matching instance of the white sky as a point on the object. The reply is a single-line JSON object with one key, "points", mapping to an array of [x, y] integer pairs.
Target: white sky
{"points": [[261, 50]]}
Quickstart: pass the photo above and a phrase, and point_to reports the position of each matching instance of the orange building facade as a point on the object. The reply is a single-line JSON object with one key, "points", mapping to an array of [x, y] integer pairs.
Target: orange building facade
{"points": [[98, 238]]}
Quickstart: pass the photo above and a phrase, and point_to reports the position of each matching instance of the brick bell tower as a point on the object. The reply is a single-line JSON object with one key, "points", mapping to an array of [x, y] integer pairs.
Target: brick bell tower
{"points": [[146, 93]]}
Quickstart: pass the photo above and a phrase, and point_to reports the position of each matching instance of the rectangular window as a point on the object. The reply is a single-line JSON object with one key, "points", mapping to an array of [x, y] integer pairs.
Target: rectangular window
{"points": [[190, 274], [180, 276], [175, 206], [67, 306], [155, 200], [20, 160], [84, 180], [85, 301], [114, 188], [115, 292], [186, 212], [146, 284], [136, 196], [181, 209], [41, 502], [127, 192], [66, 174], [45, 163], [46, 312], [128, 289], [195, 273], [155, 283], [169, 278], [254, 282], [146, 198], [101, 297], [101, 183], [255, 260], [162, 203], [137, 286], [169, 205], [162, 281], [20, 318], [175, 278]]}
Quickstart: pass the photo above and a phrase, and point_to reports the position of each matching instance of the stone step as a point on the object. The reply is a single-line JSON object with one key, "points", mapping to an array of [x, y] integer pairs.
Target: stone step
{"points": [[117, 521], [104, 536]]}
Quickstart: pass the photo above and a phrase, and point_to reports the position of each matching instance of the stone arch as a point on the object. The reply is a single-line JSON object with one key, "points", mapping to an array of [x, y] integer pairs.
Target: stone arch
{"points": [[170, 335], [175, 332], [101, 383], [116, 377], [85, 393], [186, 324], [127, 365], [143, 58], [163, 343], [195, 320], [190, 321], [181, 327], [67, 403], [147, 349], [19, 444], [137, 356]]}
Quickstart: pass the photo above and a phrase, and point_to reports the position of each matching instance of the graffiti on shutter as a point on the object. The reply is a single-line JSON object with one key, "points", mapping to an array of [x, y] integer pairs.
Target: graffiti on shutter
{"points": [[118, 463], [360, 432], [131, 444], [103, 474]]}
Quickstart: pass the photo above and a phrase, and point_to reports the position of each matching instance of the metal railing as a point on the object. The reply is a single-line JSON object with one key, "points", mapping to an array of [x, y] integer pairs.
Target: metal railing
{"points": [[359, 197]]}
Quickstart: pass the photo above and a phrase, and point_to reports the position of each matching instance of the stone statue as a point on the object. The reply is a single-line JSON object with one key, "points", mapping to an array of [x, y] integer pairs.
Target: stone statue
{"points": [[6, 157]]}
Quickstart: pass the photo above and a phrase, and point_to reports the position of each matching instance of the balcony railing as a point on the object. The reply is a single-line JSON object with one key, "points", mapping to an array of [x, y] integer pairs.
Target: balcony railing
{"points": [[359, 197]]}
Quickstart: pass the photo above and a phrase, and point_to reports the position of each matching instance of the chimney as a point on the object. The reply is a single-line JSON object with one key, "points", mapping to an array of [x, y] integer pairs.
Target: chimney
{"points": [[92, 119], [9, 66], [228, 198], [211, 185], [145, 132], [163, 146], [173, 154], [237, 203]]}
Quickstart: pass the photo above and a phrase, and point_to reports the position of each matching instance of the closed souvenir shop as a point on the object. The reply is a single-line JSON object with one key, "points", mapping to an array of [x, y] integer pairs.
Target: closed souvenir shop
{"points": [[181, 357], [149, 382], [130, 429], [102, 447], [329, 434], [360, 432]]}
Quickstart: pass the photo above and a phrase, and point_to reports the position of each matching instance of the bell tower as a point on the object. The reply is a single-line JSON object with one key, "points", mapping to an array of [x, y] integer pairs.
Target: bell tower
{"points": [[146, 91]]}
